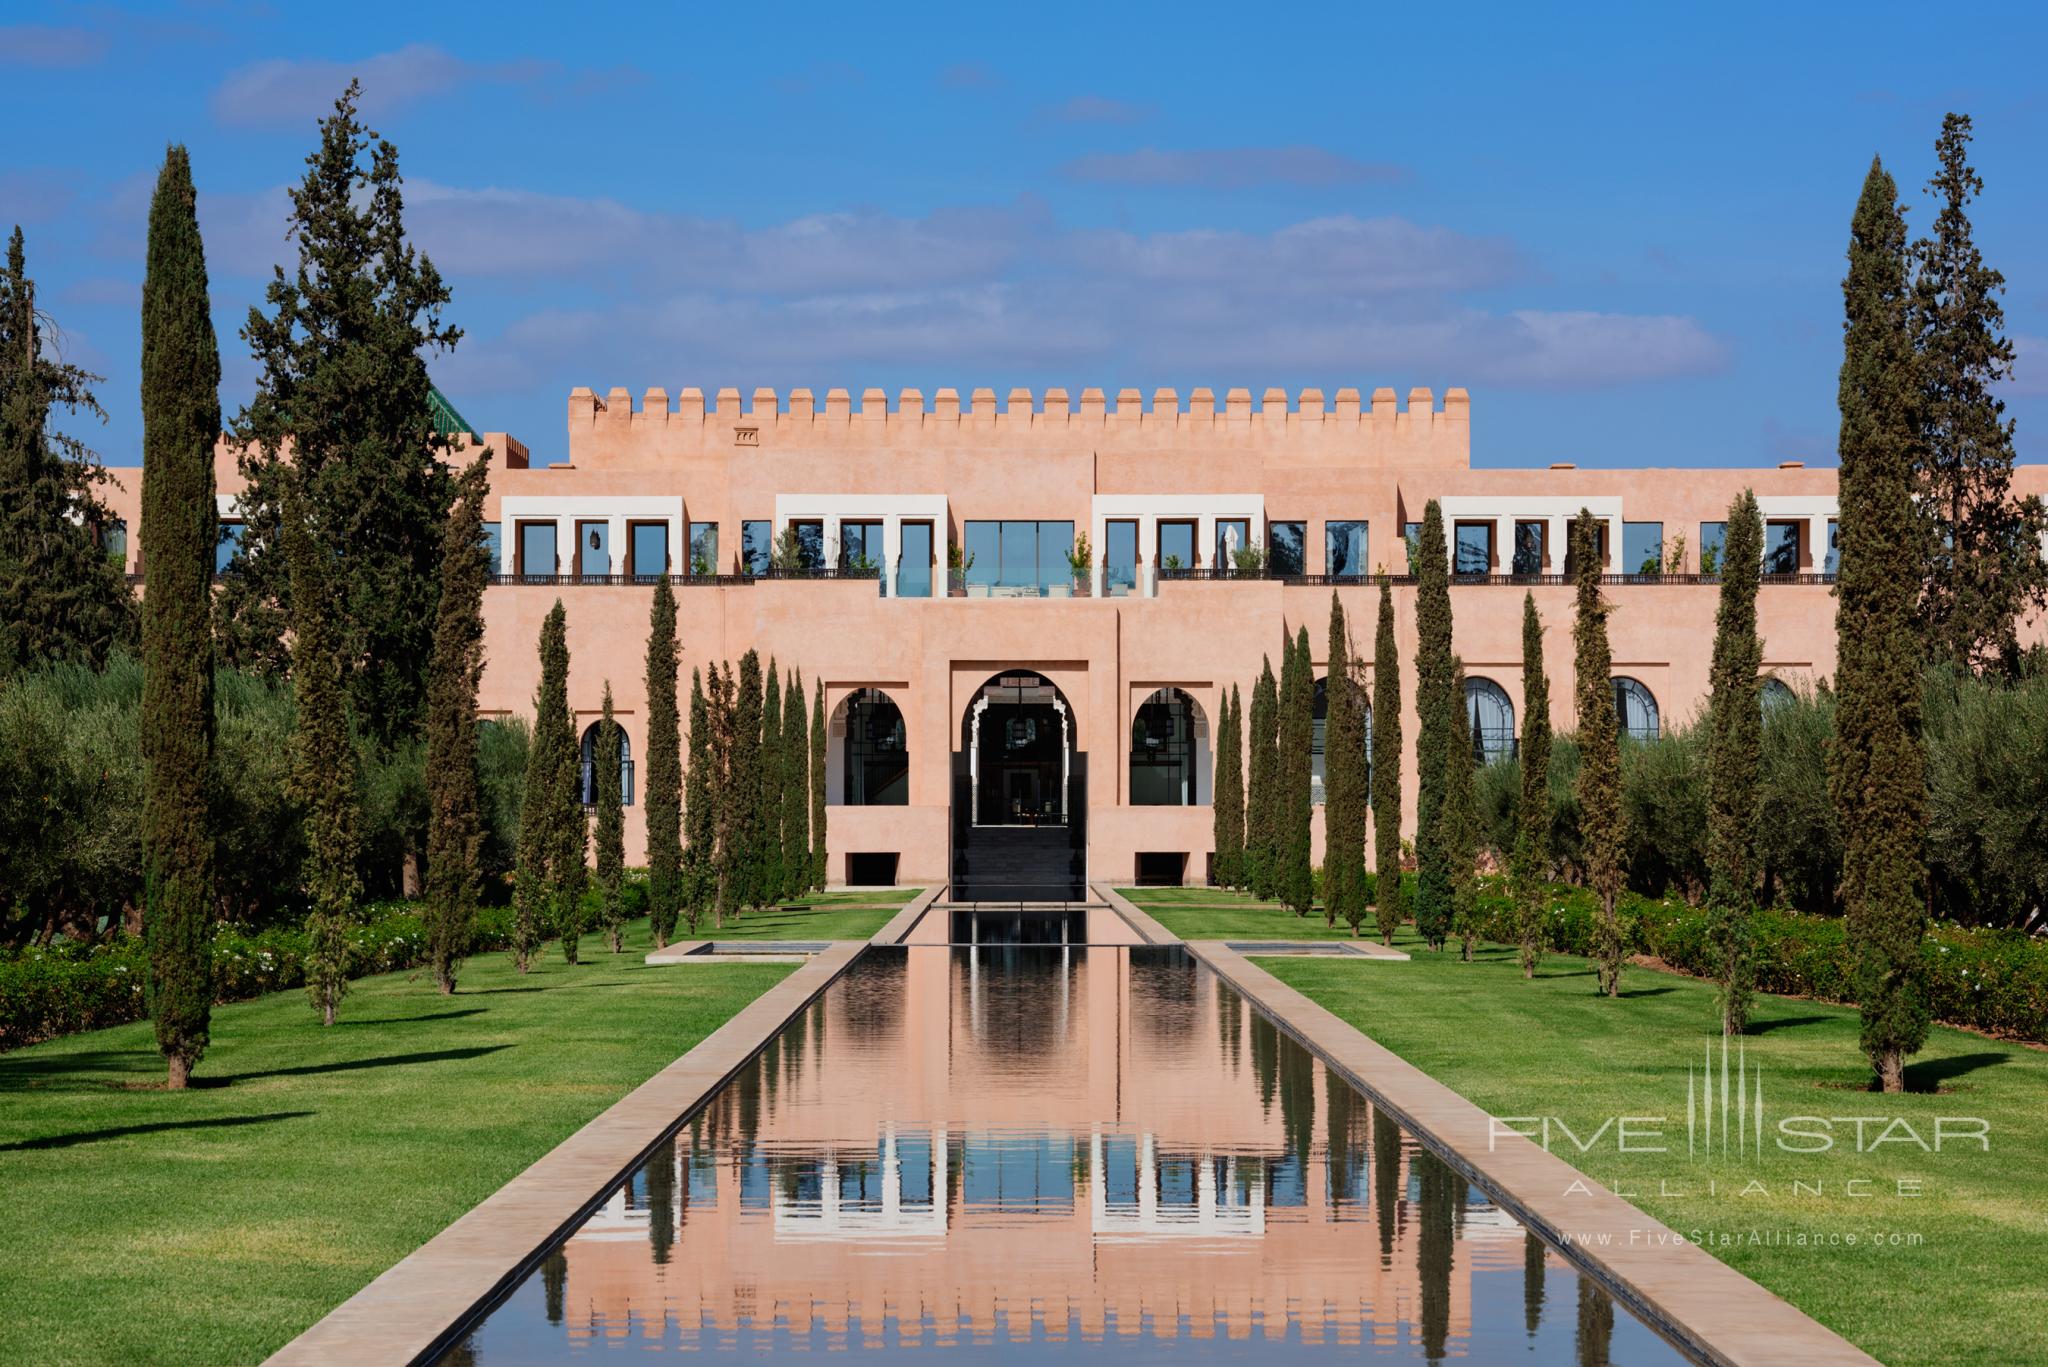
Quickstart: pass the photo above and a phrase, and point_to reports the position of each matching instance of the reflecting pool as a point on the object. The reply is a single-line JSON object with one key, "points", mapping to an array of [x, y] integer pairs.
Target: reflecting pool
{"points": [[1026, 1152]]}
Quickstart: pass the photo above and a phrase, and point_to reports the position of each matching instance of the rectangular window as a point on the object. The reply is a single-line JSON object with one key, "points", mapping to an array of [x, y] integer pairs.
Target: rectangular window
{"points": [[1411, 534], [1233, 534], [1781, 548], [860, 547], [1120, 557], [494, 544], [647, 549], [984, 553], [1055, 545], [1529, 539], [1176, 545], [1713, 535], [537, 549], [593, 549], [703, 547], [1344, 547], [914, 568], [810, 545], [1287, 547], [228, 547], [1018, 558], [1472, 548], [1018, 555], [1834, 560], [1571, 561], [1642, 548], [115, 542], [757, 546]]}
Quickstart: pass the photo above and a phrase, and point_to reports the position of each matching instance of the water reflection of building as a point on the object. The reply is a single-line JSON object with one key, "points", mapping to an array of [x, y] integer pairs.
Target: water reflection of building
{"points": [[952, 1154]]}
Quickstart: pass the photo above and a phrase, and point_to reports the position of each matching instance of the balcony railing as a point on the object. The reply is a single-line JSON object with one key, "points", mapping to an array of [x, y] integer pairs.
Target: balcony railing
{"points": [[616, 580]]}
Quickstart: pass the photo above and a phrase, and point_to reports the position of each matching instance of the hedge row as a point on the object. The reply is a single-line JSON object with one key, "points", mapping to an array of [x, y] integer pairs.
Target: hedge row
{"points": [[68, 986], [1990, 980]]}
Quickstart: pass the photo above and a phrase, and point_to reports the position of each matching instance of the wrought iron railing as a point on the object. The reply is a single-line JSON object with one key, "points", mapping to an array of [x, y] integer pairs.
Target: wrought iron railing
{"points": [[617, 580]]}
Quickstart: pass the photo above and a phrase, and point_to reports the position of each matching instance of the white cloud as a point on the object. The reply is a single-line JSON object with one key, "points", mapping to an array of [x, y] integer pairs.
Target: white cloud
{"points": [[1230, 168], [287, 91]]}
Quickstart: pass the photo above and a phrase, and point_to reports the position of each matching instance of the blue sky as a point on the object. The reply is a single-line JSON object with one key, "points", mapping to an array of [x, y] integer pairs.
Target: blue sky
{"points": [[1621, 229]]}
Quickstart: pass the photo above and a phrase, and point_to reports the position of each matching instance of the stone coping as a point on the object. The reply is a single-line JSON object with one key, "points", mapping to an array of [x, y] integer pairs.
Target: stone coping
{"points": [[413, 1310], [902, 922], [1693, 1298], [751, 951], [1323, 949], [1134, 916]]}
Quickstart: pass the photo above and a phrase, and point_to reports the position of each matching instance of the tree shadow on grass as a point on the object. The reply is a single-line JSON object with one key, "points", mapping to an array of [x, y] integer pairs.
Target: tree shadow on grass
{"points": [[1785, 1023], [490, 991], [357, 1064], [65, 1141], [1645, 991], [19, 1073], [410, 1020], [1928, 1074]]}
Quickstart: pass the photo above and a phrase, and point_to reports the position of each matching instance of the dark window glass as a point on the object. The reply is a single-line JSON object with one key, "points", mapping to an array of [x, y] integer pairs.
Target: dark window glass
{"points": [[1163, 751], [757, 546], [703, 547], [1233, 534], [914, 569], [649, 549], [1287, 544], [1528, 548], [494, 544], [115, 541], [1781, 548], [1177, 545], [1571, 563], [588, 778], [1120, 555], [229, 545], [877, 760], [1775, 694], [810, 545], [1713, 535], [860, 546], [537, 548], [1411, 532], [1834, 556], [1344, 545], [1635, 708], [1490, 717], [1642, 548], [1472, 548]]}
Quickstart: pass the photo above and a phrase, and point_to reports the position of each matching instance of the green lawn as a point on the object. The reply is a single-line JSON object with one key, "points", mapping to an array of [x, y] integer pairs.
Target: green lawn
{"points": [[826, 916], [215, 1224], [1975, 1289], [1213, 914]]}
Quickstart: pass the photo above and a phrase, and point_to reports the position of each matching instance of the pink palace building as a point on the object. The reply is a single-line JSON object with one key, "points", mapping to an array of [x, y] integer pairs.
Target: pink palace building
{"points": [[1025, 613]]}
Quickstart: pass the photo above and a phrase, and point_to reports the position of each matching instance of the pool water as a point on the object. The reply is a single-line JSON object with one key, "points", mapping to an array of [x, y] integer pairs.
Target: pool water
{"points": [[1019, 1153]]}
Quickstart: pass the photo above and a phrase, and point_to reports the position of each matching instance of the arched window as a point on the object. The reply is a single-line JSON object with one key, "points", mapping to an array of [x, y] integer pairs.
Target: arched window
{"points": [[1636, 708], [876, 770], [1318, 763], [587, 784], [1775, 694], [1164, 744], [1490, 717]]}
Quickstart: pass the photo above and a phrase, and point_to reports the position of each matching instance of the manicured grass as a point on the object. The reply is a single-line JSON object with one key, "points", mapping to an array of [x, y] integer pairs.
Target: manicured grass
{"points": [[213, 1225], [815, 918], [1214, 914], [1975, 1289]]}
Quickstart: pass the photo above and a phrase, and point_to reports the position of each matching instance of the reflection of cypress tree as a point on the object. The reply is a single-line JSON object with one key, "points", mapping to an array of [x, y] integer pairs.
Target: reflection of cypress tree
{"points": [[1265, 1058], [554, 1283], [1533, 1257], [747, 1094], [771, 1069], [1386, 1179], [462, 1354], [1297, 1099], [1340, 1107], [1229, 1020], [1438, 1199], [1596, 1324], [661, 1200]]}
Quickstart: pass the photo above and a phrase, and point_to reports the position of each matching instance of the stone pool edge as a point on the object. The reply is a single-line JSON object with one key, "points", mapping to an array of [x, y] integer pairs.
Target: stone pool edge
{"points": [[1686, 1293], [413, 1309]]}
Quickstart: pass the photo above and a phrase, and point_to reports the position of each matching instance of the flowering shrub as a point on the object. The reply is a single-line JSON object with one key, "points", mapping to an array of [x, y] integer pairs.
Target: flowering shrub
{"points": [[69, 986], [1992, 980]]}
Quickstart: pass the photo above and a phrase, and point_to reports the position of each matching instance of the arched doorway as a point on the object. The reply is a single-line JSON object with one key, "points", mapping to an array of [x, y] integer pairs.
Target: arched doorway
{"points": [[1019, 794], [869, 762]]}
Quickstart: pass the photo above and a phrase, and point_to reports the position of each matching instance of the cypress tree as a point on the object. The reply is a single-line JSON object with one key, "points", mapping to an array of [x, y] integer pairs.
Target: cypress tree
{"points": [[795, 789], [1229, 796], [700, 812], [1261, 868], [455, 827], [1984, 568], [772, 760], [1531, 862], [1599, 784], [729, 847], [610, 835], [323, 766], [1459, 820], [818, 786], [550, 822], [744, 788], [180, 423], [1344, 782], [1735, 728], [1437, 709], [342, 380], [1386, 770], [1876, 772], [1297, 735], [662, 800], [61, 596]]}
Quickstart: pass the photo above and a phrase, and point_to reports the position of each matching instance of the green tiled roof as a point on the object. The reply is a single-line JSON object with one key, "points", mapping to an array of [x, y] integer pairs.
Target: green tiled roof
{"points": [[447, 421]]}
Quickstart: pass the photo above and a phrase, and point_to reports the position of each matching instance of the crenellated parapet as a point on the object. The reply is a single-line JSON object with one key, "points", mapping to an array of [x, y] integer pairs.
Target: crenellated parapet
{"points": [[605, 427]]}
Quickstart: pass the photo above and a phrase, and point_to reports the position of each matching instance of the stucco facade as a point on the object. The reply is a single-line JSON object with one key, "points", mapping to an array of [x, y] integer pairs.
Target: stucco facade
{"points": [[1128, 474]]}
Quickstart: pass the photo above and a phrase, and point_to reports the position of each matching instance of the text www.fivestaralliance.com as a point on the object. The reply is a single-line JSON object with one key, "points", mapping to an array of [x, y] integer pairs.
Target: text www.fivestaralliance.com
{"points": [[1752, 1237]]}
